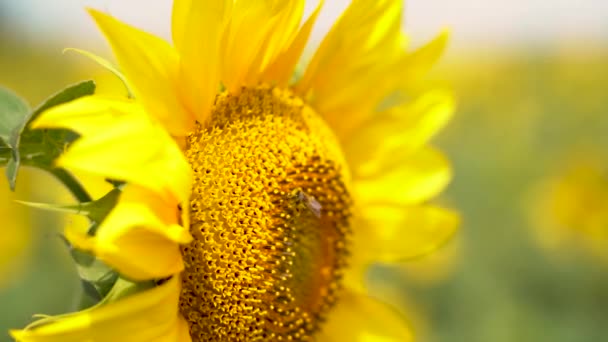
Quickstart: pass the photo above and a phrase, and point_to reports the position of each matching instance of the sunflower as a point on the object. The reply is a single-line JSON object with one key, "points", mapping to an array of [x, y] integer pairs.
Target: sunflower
{"points": [[254, 198], [569, 208]]}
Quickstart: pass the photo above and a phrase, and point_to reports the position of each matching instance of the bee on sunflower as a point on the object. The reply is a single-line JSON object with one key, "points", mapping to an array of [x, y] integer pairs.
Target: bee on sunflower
{"points": [[255, 200]]}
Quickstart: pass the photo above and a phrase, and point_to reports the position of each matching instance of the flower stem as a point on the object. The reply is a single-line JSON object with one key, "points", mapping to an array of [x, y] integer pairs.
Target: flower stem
{"points": [[72, 184]]}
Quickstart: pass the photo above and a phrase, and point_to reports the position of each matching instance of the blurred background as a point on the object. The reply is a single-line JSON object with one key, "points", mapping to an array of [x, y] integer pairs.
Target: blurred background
{"points": [[529, 146]]}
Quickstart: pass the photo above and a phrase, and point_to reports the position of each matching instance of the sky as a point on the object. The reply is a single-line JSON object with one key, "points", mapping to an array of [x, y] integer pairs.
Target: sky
{"points": [[473, 22]]}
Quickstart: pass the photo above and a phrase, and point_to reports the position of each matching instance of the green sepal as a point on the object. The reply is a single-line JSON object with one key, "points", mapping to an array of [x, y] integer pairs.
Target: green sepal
{"points": [[13, 112], [124, 287], [96, 277], [120, 289], [39, 147]]}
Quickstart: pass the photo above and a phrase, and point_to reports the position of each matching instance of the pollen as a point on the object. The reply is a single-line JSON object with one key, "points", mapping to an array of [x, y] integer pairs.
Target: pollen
{"points": [[269, 212]]}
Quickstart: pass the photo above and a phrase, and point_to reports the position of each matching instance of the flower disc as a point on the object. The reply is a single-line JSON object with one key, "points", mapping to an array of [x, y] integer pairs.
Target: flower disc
{"points": [[269, 215]]}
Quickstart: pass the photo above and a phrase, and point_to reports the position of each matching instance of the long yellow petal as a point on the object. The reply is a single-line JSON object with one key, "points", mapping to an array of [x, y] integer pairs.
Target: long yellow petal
{"points": [[394, 73], [404, 180], [415, 65], [282, 68], [399, 129], [89, 115], [365, 28], [345, 79], [358, 318], [151, 66], [179, 22], [284, 29], [149, 316], [250, 24], [197, 29], [140, 237], [392, 234]]}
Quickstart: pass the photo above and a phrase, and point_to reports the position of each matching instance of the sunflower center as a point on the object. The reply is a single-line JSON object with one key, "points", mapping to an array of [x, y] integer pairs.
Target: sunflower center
{"points": [[270, 220]]}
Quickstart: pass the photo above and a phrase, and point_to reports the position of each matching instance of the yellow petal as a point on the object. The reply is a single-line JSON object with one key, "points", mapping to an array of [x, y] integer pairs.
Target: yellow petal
{"points": [[149, 316], [417, 64], [393, 234], [89, 115], [400, 129], [119, 141], [130, 149], [250, 24], [197, 31], [436, 267], [354, 278], [365, 28], [358, 318], [282, 68], [140, 237], [282, 32], [402, 180], [346, 77], [151, 66], [138, 253]]}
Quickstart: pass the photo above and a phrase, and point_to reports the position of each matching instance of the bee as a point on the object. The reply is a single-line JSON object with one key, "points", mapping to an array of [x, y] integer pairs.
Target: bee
{"points": [[306, 203]]}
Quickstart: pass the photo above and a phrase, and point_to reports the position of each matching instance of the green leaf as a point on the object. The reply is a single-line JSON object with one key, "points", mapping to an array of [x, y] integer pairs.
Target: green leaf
{"points": [[13, 112], [39, 148], [68, 94], [11, 172], [95, 211]]}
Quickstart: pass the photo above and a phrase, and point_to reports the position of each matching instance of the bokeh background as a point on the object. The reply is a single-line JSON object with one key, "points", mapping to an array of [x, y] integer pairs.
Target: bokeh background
{"points": [[529, 145]]}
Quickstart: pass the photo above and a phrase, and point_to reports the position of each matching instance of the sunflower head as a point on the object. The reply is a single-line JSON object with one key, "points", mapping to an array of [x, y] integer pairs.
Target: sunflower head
{"points": [[288, 191], [569, 209], [270, 219]]}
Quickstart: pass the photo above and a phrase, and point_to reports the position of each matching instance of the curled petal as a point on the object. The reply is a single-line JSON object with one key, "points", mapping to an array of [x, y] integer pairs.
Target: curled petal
{"points": [[120, 142], [140, 237]]}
